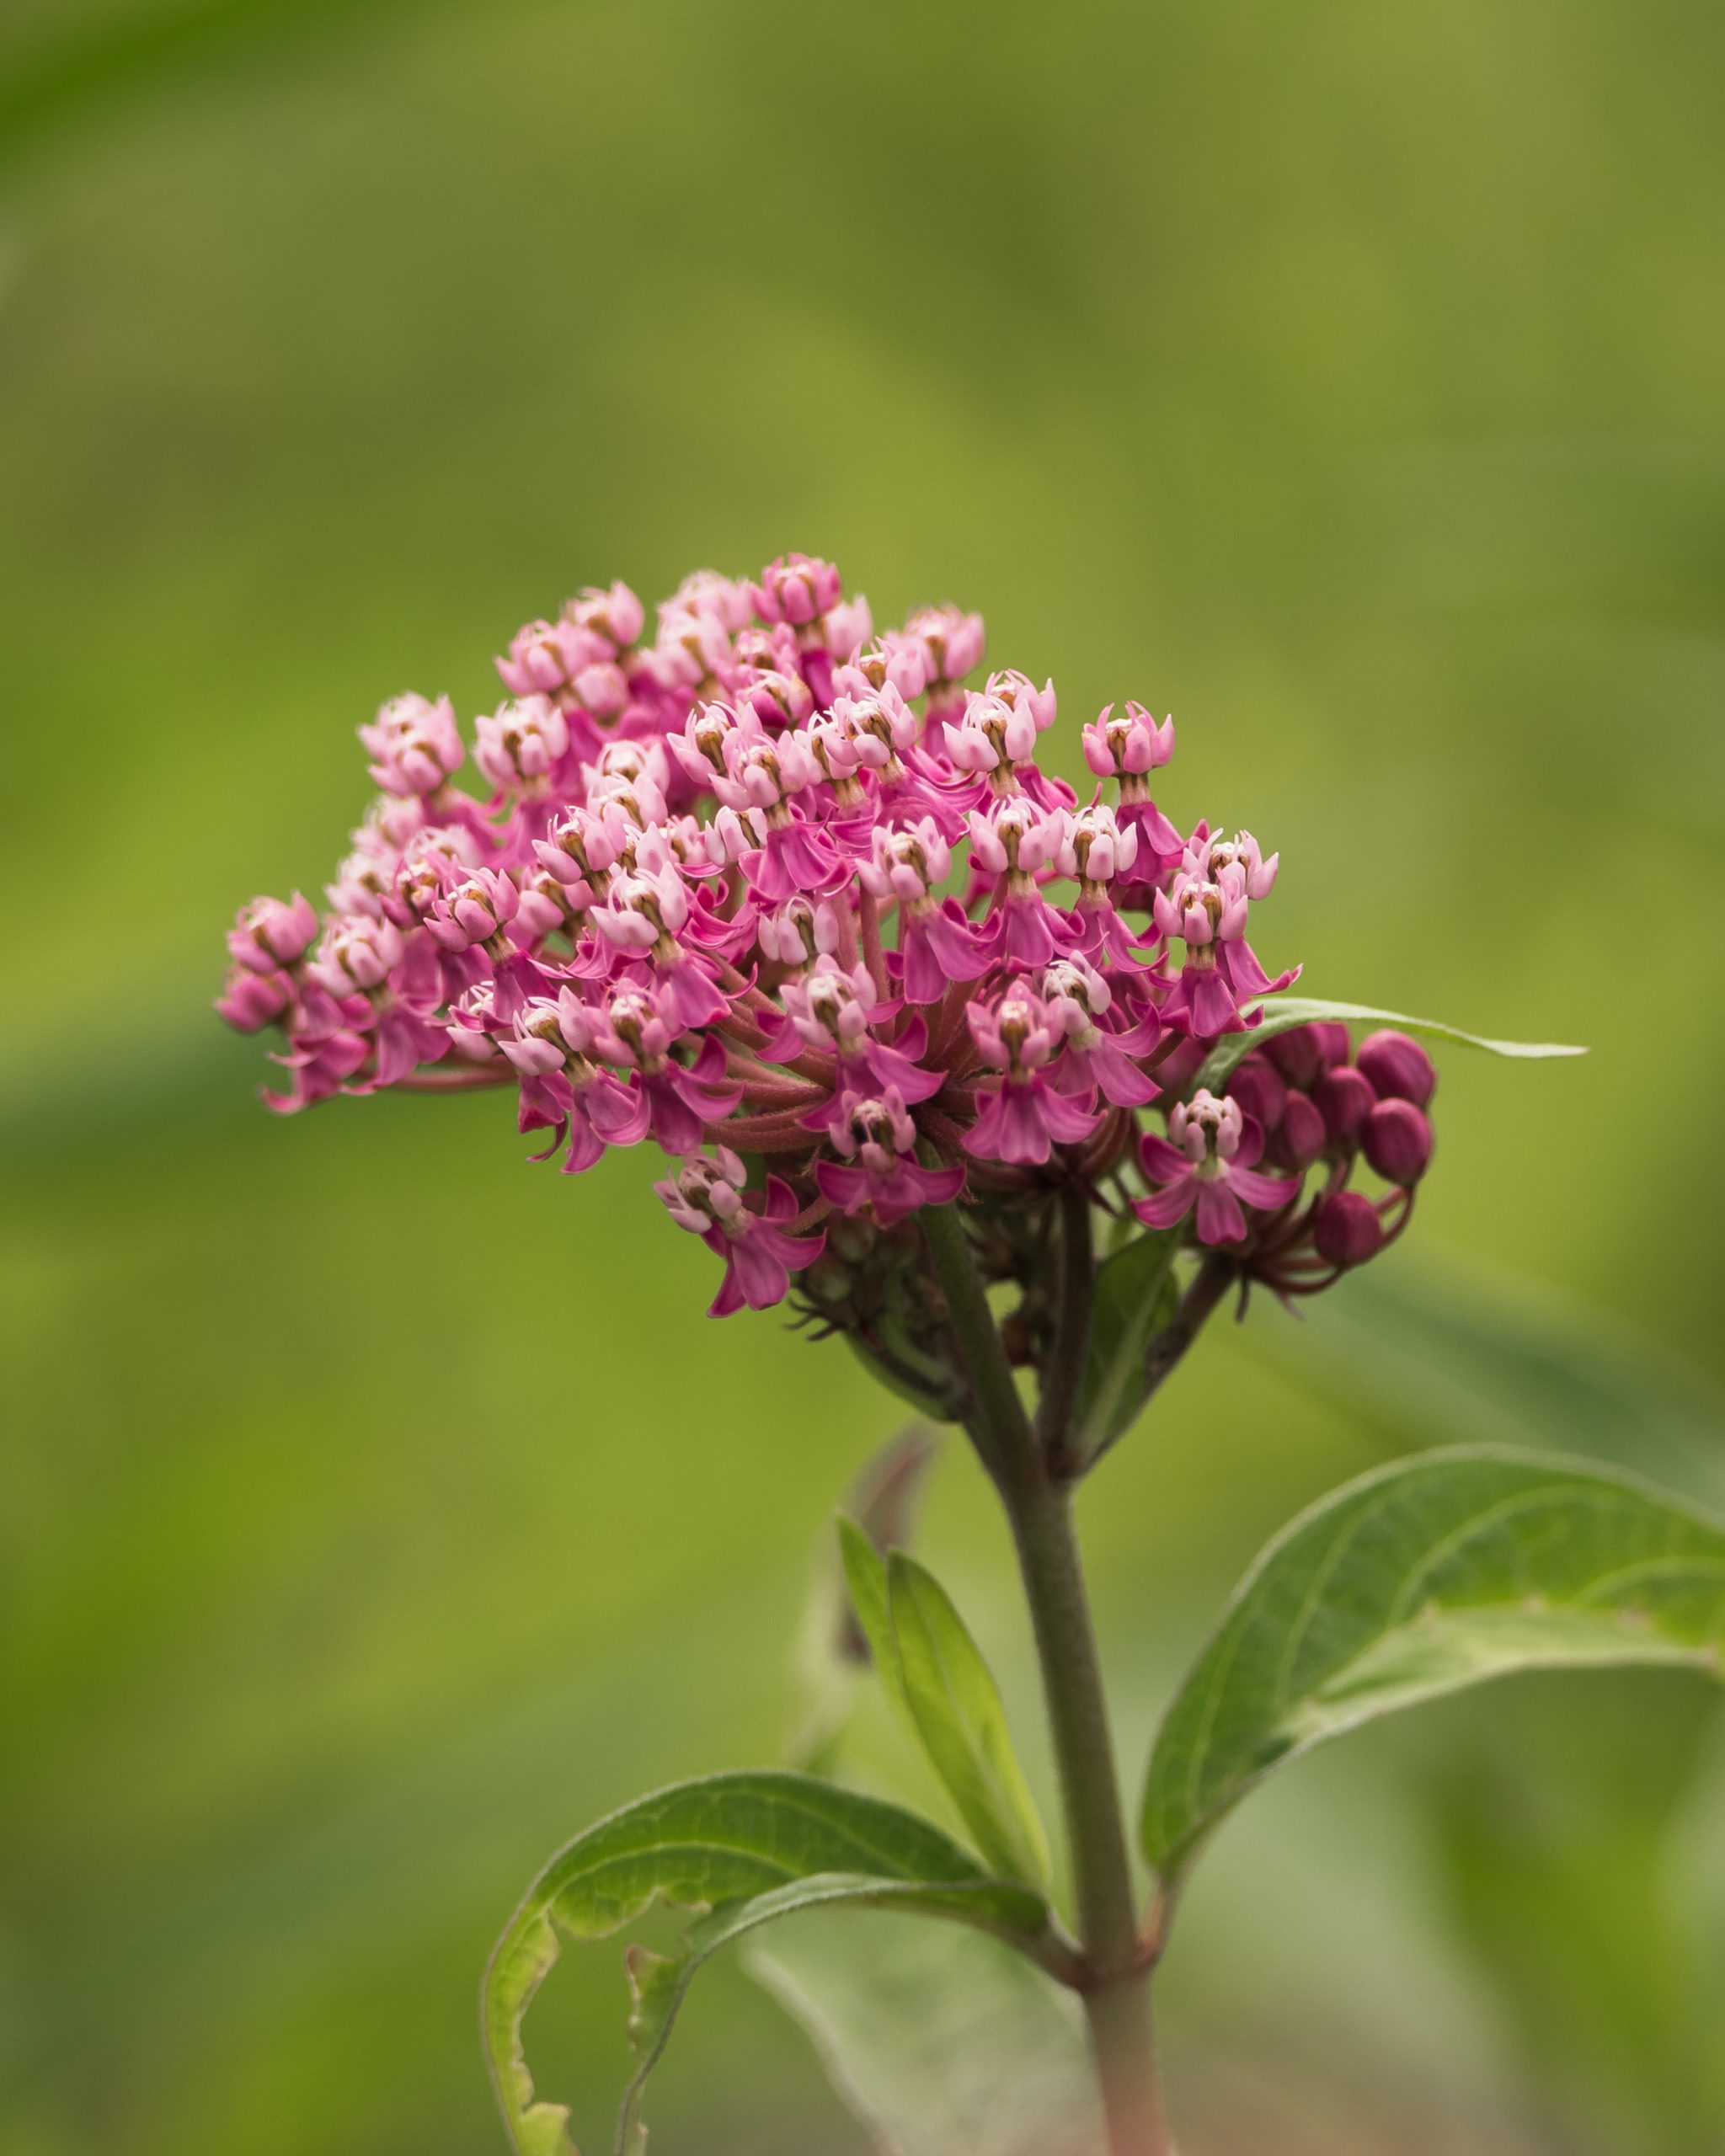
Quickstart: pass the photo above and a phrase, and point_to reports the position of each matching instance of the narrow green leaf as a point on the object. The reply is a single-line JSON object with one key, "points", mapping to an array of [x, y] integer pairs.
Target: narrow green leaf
{"points": [[957, 1709], [1431, 1574], [831, 1647], [1287, 1012], [1136, 1295], [865, 1573], [747, 1848]]}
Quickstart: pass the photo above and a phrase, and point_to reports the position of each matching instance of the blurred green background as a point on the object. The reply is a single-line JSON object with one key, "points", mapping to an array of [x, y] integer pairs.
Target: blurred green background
{"points": [[1347, 379]]}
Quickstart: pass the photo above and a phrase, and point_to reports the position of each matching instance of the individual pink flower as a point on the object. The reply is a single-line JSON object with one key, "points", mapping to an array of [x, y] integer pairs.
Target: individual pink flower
{"points": [[1024, 1115], [937, 945], [268, 933], [545, 656], [879, 1173], [835, 1012], [949, 645], [357, 955], [795, 589], [414, 744], [616, 615], [847, 627], [1096, 1060], [636, 1030], [250, 1000], [1129, 747], [710, 1198], [563, 1087], [1015, 841], [1208, 1160], [520, 744], [1205, 907]]}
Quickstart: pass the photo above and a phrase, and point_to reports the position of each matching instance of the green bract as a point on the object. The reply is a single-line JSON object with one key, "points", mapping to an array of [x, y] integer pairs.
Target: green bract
{"points": [[1425, 1577]]}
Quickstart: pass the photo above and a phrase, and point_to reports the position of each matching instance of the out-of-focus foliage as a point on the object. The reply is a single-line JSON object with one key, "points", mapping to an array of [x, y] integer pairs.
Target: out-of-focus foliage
{"points": [[1345, 379]]}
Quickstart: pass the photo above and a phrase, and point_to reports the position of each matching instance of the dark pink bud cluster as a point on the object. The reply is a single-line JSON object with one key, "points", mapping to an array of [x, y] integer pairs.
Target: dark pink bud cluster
{"points": [[1239, 1164], [795, 902]]}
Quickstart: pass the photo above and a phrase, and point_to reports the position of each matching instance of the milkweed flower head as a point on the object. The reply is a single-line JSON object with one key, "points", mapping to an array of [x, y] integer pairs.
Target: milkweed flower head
{"points": [[800, 905]]}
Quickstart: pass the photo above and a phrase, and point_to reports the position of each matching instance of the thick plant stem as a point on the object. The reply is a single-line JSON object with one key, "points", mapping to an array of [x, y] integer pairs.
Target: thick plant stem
{"points": [[1039, 1508]]}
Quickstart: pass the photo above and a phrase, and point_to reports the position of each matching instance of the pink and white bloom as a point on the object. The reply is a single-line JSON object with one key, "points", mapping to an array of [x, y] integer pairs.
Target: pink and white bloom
{"points": [[268, 933], [1207, 1161], [878, 1173], [414, 744], [711, 1200], [1024, 1116], [521, 744], [937, 944]]}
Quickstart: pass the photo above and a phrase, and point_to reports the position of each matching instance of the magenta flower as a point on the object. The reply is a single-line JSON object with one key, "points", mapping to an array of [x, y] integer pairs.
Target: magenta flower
{"points": [[1207, 1161], [749, 874], [267, 934], [709, 1199], [520, 744], [884, 1180], [1205, 907], [1024, 1116]]}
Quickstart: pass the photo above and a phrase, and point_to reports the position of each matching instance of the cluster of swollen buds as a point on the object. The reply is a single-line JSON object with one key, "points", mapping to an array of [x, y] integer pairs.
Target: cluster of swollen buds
{"points": [[793, 902]]}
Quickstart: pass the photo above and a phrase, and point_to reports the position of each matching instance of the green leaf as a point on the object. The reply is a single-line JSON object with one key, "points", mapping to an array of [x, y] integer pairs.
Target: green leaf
{"points": [[1431, 1574], [1287, 1012], [938, 2039], [747, 1848], [829, 1645], [865, 1574], [947, 1700], [957, 1709], [1135, 1296]]}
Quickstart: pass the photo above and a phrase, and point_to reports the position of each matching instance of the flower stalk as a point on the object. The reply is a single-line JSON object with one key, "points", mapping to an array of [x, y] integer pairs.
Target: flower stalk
{"points": [[1021, 1459]]}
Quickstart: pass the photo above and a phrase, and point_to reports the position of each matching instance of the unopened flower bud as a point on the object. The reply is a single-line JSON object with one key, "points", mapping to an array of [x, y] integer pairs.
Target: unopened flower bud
{"points": [[1344, 1098], [1399, 1068], [1304, 1053], [1259, 1087], [1347, 1230], [1397, 1141], [1300, 1135]]}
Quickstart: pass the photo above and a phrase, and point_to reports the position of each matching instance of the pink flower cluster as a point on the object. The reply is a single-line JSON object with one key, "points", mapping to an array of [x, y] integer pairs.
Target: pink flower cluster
{"points": [[791, 900]]}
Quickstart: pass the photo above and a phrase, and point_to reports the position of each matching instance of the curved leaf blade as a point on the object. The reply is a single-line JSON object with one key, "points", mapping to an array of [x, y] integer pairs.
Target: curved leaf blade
{"points": [[1428, 1575], [746, 1847], [1134, 1296], [959, 1713], [1287, 1012]]}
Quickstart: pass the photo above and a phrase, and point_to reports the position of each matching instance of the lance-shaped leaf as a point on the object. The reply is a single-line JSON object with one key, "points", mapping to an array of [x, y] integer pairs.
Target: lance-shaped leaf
{"points": [[1429, 1575], [1284, 1012], [747, 1848], [1135, 1297], [946, 1696]]}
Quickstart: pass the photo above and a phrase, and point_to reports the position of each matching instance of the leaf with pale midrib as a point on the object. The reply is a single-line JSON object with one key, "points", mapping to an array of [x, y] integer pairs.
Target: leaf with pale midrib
{"points": [[748, 1846], [1284, 1013], [1427, 1575]]}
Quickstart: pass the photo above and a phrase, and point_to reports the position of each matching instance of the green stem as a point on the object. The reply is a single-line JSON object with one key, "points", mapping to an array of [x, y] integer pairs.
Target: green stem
{"points": [[1116, 1980]]}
